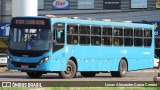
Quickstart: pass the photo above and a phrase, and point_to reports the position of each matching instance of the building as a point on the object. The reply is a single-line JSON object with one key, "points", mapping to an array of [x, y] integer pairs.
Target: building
{"points": [[133, 10]]}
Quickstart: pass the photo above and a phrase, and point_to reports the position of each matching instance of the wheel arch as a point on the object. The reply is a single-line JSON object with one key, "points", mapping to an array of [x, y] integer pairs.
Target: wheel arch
{"points": [[74, 60]]}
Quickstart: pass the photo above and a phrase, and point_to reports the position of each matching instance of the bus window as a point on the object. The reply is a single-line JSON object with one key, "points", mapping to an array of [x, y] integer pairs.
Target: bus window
{"points": [[117, 31], [84, 40], [128, 32], [118, 41], [106, 40], [84, 30], [147, 37], [96, 30], [84, 35], [96, 35], [138, 32], [58, 34], [107, 36], [138, 37], [72, 34], [95, 40], [128, 36], [107, 31]]}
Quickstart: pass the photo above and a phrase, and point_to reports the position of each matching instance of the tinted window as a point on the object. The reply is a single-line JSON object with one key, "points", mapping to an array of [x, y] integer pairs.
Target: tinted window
{"points": [[107, 31], [147, 37], [138, 37], [96, 30], [72, 31], [107, 35], [117, 31], [128, 32], [96, 35], [95, 40], [84, 29], [84, 35], [138, 33], [118, 40], [128, 36]]}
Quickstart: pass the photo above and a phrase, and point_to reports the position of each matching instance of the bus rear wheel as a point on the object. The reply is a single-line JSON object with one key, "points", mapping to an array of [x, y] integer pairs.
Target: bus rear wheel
{"points": [[34, 74], [88, 74], [122, 69], [70, 71]]}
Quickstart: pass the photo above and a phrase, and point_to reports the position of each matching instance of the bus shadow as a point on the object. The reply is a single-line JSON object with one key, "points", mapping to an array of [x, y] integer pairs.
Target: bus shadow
{"points": [[56, 77], [27, 77]]}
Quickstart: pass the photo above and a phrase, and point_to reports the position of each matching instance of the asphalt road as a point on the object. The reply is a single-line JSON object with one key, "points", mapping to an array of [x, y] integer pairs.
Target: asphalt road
{"points": [[140, 75]]}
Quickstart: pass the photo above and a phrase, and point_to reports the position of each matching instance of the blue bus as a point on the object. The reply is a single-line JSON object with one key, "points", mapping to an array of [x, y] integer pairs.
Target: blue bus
{"points": [[49, 44]]}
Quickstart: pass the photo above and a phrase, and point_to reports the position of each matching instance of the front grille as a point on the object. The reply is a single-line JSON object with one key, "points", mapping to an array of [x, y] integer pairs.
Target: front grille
{"points": [[30, 65], [29, 53]]}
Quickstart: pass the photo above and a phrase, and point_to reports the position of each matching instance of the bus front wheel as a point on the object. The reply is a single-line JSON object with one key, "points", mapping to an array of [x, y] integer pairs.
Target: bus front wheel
{"points": [[70, 71], [122, 69], [34, 74]]}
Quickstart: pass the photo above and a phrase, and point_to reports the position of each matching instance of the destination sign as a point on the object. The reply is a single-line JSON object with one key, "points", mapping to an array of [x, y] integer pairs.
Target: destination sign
{"points": [[30, 22], [26, 22]]}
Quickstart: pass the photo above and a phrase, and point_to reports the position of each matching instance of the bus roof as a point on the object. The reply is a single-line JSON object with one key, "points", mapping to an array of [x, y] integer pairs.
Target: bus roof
{"points": [[92, 22], [97, 22]]}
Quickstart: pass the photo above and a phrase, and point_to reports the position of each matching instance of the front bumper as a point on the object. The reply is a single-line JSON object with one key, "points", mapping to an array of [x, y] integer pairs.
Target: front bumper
{"points": [[48, 66]]}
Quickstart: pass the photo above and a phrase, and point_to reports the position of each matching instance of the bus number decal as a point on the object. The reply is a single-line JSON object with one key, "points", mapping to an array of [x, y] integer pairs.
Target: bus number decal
{"points": [[146, 52], [124, 51]]}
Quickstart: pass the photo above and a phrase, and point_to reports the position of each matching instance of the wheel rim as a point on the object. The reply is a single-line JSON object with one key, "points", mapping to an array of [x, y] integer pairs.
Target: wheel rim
{"points": [[123, 68], [69, 69]]}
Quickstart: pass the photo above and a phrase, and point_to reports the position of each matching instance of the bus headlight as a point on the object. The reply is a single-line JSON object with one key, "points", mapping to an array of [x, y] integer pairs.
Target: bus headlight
{"points": [[8, 58], [44, 60]]}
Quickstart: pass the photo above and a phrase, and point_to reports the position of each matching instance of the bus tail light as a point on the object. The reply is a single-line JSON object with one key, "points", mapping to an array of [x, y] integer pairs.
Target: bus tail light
{"points": [[44, 60]]}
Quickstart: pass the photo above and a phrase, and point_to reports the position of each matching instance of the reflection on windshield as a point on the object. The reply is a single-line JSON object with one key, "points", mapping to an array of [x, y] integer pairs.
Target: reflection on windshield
{"points": [[29, 39]]}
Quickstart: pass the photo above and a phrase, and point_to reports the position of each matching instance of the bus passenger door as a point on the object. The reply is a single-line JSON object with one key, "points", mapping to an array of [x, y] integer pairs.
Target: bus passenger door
{"points": [[58, 36]]}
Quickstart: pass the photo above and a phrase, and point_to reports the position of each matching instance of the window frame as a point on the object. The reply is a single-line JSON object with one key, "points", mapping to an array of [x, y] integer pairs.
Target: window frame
{"points": [[147, 37], [72, 34], [121, 36], [138, 37], [84, 34], [107, 36], [128, 36], [96, 35]]}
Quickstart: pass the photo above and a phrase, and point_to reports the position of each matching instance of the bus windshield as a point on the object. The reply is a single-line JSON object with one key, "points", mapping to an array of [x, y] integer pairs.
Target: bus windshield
{"points": [[29, 39]]}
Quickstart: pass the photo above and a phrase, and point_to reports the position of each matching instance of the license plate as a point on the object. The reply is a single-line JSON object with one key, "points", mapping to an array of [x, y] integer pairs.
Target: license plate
{"points": [[24, 66]]}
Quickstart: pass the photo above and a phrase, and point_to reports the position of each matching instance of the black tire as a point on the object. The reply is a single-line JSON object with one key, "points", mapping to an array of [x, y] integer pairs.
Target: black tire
{"points": [[122, 69], [70, 71], [34, 74], [88, 74]]}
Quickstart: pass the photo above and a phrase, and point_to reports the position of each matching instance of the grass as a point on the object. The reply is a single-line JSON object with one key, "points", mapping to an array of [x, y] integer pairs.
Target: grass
{"points": [[84, 88]]}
